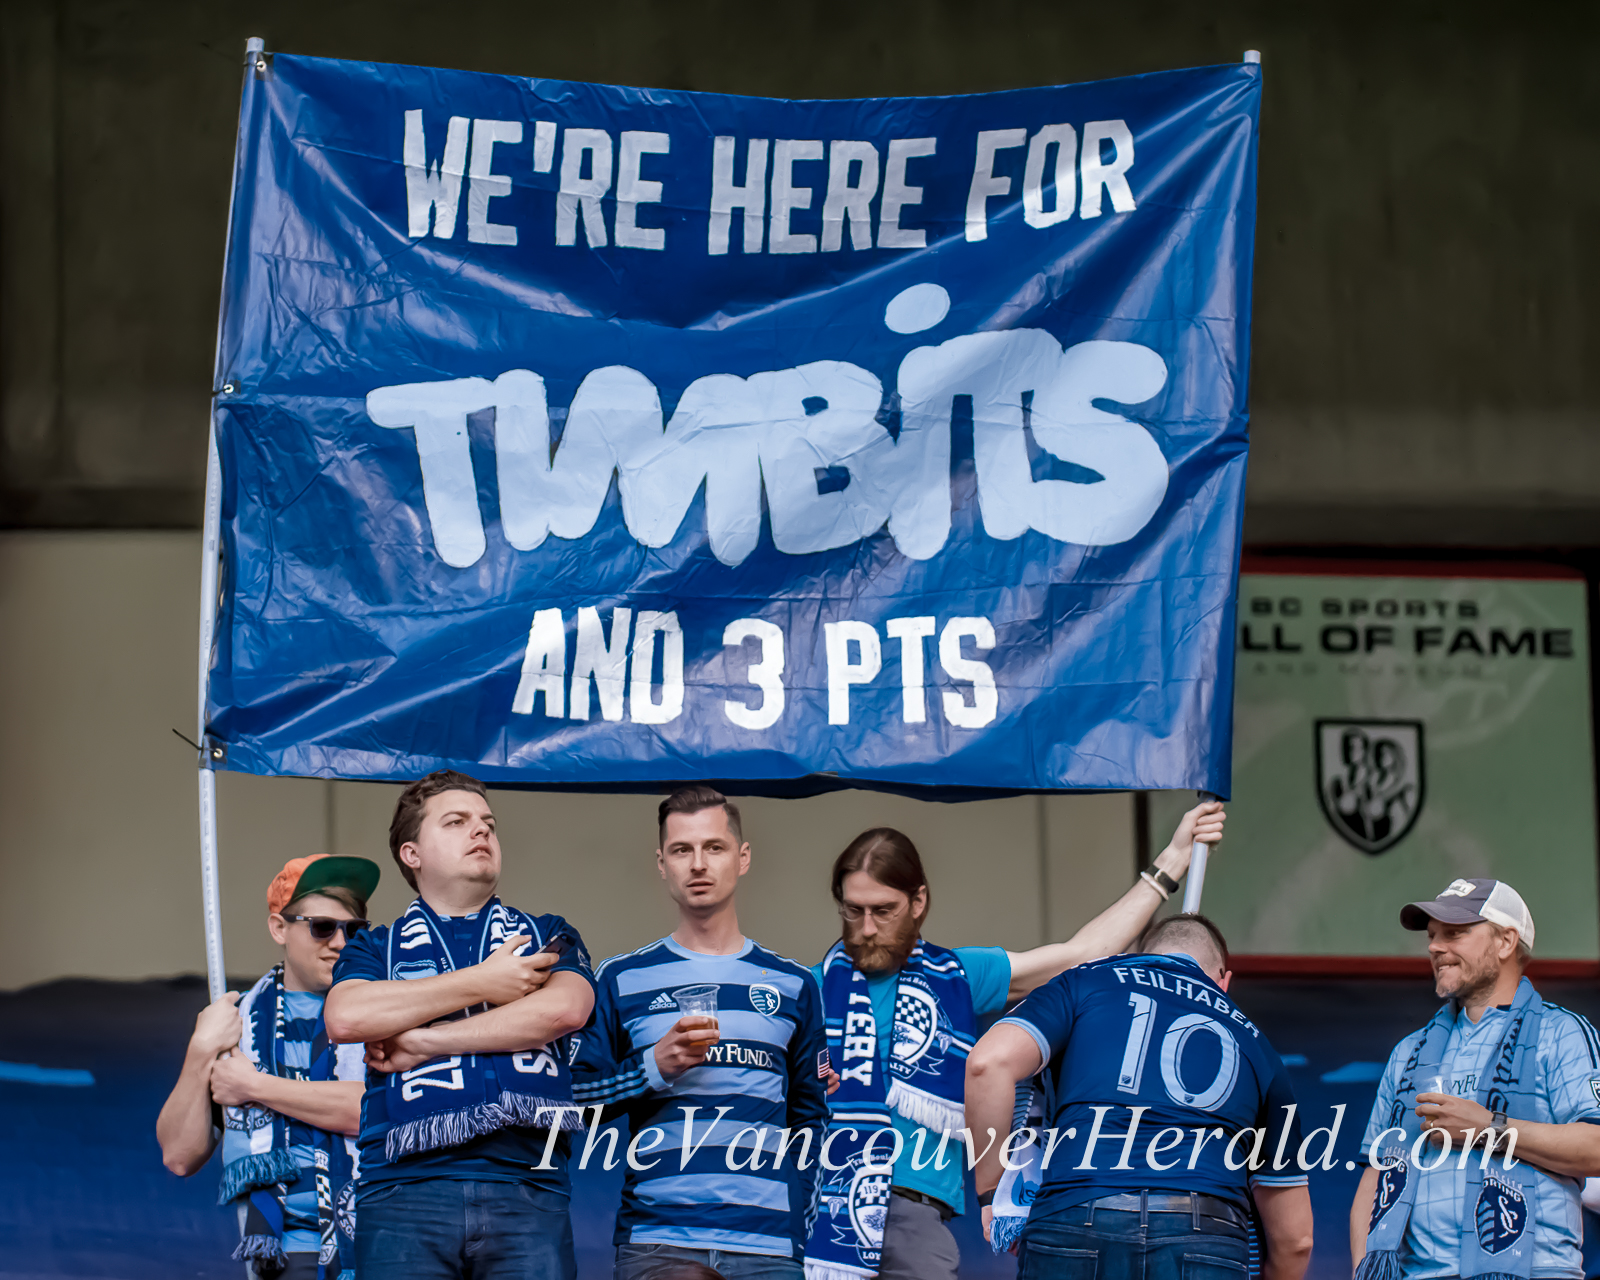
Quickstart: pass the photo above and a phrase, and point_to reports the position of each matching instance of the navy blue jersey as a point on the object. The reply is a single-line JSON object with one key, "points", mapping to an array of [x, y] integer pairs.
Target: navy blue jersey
{"points": [[507, 1155], [1155, 1072], [713, 1179]]}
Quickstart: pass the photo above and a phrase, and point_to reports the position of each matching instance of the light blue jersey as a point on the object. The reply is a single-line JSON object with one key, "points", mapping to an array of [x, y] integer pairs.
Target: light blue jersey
{"points": [[1568, 1090], [710, 1182], [988, 971]]}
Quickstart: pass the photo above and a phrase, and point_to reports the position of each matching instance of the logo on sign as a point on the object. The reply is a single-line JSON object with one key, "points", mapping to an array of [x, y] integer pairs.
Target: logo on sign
{"points": [[1370, 779], [1501, 1215], [765, 999]]}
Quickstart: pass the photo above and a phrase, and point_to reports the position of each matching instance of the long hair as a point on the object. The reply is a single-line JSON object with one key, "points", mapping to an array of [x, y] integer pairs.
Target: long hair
{"points": [[889, 857]]}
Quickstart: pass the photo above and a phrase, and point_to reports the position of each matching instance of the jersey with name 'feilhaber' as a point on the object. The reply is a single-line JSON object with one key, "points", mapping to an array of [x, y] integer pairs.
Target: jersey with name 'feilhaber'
{"points": [[1156, 1072], [703, 1184]]}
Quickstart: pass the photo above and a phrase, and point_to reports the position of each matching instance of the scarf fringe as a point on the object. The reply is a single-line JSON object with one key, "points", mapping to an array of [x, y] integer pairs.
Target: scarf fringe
{"points": [[534, 1113], [931, 1112], [452, 1128], [258, 1249], [252, 1172], [829, 1271], [443, 1129], [1381, 1265], [1005, 1231]]}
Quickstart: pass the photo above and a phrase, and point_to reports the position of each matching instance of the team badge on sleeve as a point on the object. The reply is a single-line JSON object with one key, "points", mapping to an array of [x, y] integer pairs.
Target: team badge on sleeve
{"points": [[1594, 1087]]}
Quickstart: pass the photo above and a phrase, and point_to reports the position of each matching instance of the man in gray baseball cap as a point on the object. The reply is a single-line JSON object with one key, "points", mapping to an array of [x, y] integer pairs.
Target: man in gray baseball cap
{"points": [[1495, 1066]]}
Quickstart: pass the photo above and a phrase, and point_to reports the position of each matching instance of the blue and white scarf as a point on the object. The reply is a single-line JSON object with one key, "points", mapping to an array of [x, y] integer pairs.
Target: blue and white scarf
{"points": [[934, 1030], [452, 1099], [1020, 1183], [258, 1167], [1497, 1204]]}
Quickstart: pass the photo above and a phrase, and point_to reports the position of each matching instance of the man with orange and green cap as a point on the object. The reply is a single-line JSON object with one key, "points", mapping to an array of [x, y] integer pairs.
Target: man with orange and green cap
{"points": [[260, 1073]]}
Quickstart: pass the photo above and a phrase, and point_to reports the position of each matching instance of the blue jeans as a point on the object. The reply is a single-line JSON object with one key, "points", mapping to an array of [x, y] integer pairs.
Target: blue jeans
{"points": [[440, 1229], [1067, 1245], [645, 1261]]}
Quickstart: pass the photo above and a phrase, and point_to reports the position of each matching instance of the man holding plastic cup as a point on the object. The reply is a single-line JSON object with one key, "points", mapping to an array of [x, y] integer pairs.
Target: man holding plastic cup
{"points": [[712, 1047], [1495, 1068]]}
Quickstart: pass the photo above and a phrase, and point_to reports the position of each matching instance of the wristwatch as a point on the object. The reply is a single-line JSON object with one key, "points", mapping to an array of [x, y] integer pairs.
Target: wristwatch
{"points": [[1496, 1127]]}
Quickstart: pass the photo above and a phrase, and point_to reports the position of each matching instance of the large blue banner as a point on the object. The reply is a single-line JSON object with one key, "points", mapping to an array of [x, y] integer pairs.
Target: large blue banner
{"points": [[575, 435]]}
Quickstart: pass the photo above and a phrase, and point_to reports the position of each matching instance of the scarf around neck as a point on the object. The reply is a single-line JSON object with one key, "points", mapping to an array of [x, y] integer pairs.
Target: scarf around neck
{"points": [[1497, 1202], [933, 1031], [454, 1098], [258, 1166]]}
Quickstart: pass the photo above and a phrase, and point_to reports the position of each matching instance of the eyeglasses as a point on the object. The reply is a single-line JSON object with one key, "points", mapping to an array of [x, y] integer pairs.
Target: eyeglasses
{"points": [[323, 927], [880, 914]]}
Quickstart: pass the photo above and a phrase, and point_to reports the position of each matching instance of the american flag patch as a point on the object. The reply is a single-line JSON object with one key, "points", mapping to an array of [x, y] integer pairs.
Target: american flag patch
{"points": [[824, 1064]]}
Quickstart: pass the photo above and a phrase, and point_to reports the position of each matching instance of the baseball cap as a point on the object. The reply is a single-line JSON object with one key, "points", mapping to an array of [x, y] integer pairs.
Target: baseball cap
{"points": [[301, 876], [1470, 902]]}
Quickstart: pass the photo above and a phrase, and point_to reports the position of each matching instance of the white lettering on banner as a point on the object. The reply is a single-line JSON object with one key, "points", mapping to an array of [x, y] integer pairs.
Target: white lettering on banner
{"points": [[1064, 138], [842, 672], [603, 663], [897, 194], [726, 196], [788, 198], [849, 202], [645, 709], [633, 191], [1111, 175], [766, 673], [544, 667], [578, 192], [433, 192], [797, 432], [986, 184], [911, 632], [853, 654], [486, 184]]}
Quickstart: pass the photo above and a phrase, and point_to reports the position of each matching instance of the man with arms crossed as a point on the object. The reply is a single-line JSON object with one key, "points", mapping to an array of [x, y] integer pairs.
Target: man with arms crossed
{"points": [[902, 1015], [1495, 1067], [289, 1101], [1140, 1181], [655, 1053], [464, 1004]]}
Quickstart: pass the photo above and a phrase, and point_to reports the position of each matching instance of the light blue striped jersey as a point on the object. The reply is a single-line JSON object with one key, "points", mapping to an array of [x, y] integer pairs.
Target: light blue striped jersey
{"points": [[1568, 1085], [704, 1175]]}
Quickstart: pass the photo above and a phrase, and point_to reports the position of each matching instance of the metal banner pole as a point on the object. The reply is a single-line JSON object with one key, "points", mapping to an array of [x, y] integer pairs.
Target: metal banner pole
{"points": [[1196, 883], [210, 559]]}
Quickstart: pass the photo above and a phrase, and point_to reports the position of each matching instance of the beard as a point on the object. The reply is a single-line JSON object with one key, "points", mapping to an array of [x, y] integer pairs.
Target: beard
{"points": [[1467, 979], [887, 951]]}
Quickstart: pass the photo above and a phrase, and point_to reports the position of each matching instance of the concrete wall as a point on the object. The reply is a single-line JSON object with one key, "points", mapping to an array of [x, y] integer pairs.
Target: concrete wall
{"points": [[99, 856], [1427, 355]]}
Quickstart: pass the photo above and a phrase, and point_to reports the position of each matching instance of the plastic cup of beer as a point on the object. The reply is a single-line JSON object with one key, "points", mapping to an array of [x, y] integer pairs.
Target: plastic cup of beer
{"points": [[700, 1002], [1435, 1083]]}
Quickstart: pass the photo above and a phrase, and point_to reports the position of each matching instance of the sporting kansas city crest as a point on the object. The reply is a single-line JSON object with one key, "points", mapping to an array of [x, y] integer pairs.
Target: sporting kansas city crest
{"points": [[1370, 779]]}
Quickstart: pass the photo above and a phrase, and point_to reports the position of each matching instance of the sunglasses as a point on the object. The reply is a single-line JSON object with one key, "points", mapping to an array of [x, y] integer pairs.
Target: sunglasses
{"points": [[323, 927]]}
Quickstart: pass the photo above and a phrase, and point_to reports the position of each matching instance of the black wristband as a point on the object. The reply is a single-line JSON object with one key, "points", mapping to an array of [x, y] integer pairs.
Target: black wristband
{"points": [[1164, 880], [985, 1199]]}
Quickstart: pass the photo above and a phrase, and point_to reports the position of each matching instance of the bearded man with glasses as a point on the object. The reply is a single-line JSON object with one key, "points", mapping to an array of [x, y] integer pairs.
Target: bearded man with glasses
{"points": [[902, 1015], [260, 1073]]}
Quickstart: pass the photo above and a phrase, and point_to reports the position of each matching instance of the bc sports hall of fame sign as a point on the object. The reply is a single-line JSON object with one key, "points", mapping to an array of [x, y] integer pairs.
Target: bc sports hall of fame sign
{"points": [[1370, 779]]}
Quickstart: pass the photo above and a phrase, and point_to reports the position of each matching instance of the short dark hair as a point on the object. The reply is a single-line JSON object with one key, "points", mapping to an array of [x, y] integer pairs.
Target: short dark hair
{"points": [[888, 856], [346, 898], [407, 820], [692, 799], [1172, 932]]}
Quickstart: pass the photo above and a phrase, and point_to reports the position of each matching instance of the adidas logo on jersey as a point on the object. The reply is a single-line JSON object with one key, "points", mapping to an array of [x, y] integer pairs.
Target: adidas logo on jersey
{"points": [[662, 1001]]}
